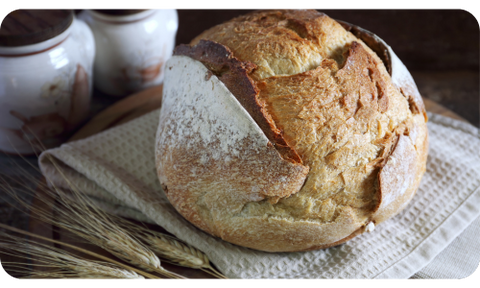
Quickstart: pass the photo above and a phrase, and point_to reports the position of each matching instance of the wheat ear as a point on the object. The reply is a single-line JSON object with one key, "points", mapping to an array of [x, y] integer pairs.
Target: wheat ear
{"points": [[62, 264], [170, 248], [118, 240], [106, 259], [163, 245], [181, 253], [82, 218]]}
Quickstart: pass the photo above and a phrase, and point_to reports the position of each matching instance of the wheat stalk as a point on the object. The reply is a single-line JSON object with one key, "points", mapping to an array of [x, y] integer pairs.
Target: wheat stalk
{"points": [[63, 263], [80, 250], [85, 223], [61, 271], [83, 219]]}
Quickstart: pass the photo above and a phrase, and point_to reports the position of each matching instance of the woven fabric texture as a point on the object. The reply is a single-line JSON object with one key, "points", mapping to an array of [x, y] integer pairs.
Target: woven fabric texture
{"points": [[116, 168]]}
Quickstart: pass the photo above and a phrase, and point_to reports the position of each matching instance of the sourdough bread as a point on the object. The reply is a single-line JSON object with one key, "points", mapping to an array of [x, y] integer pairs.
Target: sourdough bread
{"points": [[284, 131]]}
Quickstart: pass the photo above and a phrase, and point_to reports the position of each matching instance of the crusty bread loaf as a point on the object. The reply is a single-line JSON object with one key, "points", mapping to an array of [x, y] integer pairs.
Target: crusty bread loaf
{"points": [[283, 131]]}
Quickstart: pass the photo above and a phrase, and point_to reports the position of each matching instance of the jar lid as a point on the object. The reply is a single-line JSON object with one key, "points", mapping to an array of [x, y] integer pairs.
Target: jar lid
{"points": [[26, 27], [119, 12]]}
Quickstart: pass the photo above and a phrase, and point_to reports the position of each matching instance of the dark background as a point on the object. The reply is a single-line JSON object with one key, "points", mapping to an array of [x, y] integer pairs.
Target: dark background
{"points": [[423, 39]]}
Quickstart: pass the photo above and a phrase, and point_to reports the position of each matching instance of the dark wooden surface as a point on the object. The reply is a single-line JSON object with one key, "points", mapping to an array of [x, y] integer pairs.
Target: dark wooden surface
{"points": [[440, 48]]}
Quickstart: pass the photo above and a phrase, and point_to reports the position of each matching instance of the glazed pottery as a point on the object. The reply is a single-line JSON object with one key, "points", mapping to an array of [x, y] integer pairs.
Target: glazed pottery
{"points": [[45, 89], [132, 47]]}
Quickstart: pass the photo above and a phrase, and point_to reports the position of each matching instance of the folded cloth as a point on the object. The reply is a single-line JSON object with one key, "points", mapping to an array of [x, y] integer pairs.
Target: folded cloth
{"points": [[117, 169]]}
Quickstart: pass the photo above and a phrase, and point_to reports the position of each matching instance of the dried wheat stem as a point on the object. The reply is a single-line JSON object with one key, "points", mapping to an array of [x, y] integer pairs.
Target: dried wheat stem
{"points": [[181, 254], [92, 224], [95, 227], [82, 218], [171, 248], [81, 222], [64, 262], [143, 273], [119, 242]]}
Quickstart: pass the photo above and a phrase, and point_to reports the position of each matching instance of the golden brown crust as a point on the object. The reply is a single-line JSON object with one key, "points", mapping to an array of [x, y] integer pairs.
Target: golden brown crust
{"points": [[285, 42], [408, 88], [372, 42], [334, 103]]}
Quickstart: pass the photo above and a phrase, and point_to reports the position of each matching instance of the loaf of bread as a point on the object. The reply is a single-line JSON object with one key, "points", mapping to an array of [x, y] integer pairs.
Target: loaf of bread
{"points": [[289, 131]]}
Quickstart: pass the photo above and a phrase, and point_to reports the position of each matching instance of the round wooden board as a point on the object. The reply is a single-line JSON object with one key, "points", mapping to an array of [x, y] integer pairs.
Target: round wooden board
{"points": [[123, 111], [126, 110]]}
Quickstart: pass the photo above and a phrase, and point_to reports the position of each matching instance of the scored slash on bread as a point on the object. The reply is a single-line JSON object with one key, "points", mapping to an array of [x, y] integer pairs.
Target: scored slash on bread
{"points": [[213, 158], [339, 137], [235, 75]]}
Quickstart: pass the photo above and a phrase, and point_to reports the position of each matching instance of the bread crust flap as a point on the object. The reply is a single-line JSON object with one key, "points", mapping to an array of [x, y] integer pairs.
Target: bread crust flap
{"points": [[211, 156]]}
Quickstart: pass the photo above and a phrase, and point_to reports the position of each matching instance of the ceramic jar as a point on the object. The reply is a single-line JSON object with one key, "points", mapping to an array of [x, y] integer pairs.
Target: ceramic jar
{"points": [[45, 87], [132, 47]]}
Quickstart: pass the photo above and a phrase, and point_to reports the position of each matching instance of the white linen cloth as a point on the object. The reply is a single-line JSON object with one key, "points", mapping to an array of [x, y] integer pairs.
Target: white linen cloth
{"points": [[436, 236]]}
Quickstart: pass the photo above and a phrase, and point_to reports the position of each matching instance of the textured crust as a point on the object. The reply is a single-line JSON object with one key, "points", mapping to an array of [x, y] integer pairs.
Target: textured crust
{"points": [[400, 177], [331, 107], [372, 41], [395, 68], [235, 75], [211, 156]]}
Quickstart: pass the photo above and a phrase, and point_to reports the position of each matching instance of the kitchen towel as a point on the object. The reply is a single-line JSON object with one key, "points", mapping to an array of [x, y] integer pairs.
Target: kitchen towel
{"points": [[436, 236]]}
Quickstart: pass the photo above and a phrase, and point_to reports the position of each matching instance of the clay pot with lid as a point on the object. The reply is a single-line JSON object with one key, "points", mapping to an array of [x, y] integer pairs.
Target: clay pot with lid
{"points": [[132, 47], [46, 64]]}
